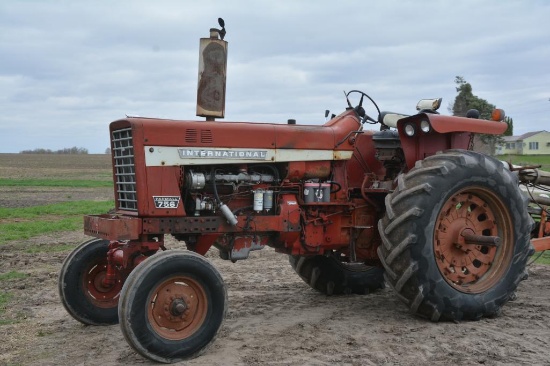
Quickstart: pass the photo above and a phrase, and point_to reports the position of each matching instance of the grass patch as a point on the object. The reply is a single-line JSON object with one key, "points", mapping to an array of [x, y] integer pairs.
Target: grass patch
{"points": [[26, 230], [542, 258], [11, 275], [39, 220], [44, 333], [7, 182], [57, 209], [4, 299], [542, 160]]}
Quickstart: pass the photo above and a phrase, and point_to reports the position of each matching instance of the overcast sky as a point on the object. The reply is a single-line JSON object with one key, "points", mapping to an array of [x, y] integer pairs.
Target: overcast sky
{"points": [[69, 68]]}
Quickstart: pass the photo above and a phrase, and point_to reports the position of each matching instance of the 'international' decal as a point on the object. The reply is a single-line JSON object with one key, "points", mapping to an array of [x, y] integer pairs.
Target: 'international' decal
{"points": [[222, 154]]}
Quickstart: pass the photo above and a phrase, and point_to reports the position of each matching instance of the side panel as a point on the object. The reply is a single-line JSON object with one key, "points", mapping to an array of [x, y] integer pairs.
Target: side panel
{"points": [[163, 194], [363, 161]]}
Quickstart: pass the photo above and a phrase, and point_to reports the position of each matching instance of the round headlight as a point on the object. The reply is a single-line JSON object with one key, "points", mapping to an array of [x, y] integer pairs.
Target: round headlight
{"points": [[409, 130], [425, 126]]}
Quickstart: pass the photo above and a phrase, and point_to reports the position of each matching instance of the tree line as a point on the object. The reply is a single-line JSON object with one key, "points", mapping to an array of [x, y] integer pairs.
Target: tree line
{"points": [[67, 150]]}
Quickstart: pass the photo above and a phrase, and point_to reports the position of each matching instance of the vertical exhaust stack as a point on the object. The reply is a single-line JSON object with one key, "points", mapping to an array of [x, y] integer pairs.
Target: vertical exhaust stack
{"points": [[212, 74]]}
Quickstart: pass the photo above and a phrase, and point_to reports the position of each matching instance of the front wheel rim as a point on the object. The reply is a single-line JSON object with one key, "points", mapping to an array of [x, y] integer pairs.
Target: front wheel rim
{"points": [[177, 307], [466, 266], [93, 283]]}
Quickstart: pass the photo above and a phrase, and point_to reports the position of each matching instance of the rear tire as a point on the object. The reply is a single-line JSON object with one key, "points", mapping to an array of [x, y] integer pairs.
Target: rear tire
{"points": [[427, 260], [172, 306], [329, 276]]}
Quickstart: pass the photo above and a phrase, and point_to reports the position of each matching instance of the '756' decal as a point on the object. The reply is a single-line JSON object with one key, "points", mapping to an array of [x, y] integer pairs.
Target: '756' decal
{"points": [[166, 201]]}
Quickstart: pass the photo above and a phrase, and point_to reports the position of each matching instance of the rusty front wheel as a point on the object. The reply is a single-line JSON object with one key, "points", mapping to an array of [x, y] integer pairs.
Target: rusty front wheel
{"points": [[81, 288], [172, 306], [456, 236]]}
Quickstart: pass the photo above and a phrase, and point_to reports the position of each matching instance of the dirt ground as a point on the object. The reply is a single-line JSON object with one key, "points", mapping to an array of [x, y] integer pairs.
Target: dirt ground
{"points": [[273, 317]]}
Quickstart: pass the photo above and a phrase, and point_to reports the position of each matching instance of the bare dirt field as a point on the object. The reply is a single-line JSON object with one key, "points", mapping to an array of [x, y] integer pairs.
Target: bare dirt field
{"points": [[273, 317]]}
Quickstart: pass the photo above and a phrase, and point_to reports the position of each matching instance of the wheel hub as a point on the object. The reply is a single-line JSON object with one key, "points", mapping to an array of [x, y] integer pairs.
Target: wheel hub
{"points": [[178, 308], [99, 280], [95, 289], [466, 238]]}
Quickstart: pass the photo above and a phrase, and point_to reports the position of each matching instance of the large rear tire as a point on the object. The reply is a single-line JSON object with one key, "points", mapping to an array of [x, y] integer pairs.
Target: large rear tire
{"points": [[172, 306], [81, 287], [456, 236], [330, 276]]}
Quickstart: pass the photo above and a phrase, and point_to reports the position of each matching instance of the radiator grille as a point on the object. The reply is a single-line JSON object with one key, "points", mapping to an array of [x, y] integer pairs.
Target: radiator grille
{"points": [[125, 173]]}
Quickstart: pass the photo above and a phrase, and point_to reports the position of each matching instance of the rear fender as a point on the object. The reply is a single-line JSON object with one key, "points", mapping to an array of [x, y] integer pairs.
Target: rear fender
{"points": [[446, 132]]}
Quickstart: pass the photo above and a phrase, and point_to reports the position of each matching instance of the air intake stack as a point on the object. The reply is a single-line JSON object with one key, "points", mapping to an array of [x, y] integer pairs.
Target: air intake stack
{"points": [[212, 74]]}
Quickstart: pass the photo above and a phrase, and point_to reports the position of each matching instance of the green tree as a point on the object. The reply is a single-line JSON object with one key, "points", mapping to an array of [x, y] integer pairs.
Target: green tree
{"points": [[510, 130], [466, 100]]}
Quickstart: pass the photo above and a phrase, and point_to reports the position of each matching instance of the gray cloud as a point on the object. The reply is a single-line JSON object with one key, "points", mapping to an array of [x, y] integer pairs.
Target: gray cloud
{"points": [[69, 68]]}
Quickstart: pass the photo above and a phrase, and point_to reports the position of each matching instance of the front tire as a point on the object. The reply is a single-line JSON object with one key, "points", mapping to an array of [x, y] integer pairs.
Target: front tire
{"points": [[81, 287], [456, 236], [172, 306]]}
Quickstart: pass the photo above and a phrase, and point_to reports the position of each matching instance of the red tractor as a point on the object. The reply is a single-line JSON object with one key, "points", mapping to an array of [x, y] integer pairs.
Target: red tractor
{"points": [[409, 205]]}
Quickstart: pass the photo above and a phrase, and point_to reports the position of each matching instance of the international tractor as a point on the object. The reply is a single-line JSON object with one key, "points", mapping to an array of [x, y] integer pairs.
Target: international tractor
{"points": [[408, 205]]}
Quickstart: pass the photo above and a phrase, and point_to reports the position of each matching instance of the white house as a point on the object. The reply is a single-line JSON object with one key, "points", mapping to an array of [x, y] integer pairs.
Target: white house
{"points": [[530, 143]]}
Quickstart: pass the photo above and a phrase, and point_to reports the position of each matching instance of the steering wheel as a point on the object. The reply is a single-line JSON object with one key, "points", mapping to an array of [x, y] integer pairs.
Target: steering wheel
{"points": [[365, 118]]}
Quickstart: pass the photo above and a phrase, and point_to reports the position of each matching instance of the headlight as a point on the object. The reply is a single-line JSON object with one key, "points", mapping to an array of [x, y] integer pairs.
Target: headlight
{"points": [[409, 129], [425, 126]]}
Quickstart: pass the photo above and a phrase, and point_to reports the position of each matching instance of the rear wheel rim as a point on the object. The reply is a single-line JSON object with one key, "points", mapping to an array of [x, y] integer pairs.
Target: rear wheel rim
{"points": [[177, 307], [473, 268]]}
